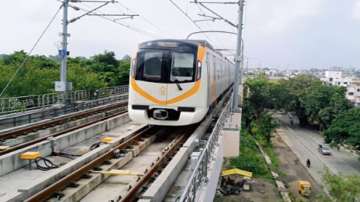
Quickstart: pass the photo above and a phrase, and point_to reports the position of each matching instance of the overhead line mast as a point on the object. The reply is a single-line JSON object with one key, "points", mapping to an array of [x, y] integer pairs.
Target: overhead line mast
{"points": [[63, 86], [239, 44]]}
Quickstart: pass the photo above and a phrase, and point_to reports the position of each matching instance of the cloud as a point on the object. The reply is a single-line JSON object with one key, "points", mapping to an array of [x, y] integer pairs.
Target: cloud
{"points": [[298, 32], [356, 10], [281, 15]]}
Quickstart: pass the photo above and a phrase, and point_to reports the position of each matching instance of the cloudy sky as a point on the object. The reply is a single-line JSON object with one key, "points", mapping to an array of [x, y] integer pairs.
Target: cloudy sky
{"points": [[281, 33]]}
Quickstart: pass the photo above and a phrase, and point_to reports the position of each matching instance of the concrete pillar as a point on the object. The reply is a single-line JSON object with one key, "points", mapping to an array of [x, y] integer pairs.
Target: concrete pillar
{"points": [[231, 135]]}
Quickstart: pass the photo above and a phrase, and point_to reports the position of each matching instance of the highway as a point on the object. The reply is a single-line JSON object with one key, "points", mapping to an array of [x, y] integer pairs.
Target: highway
{"points": [[304, 143]]}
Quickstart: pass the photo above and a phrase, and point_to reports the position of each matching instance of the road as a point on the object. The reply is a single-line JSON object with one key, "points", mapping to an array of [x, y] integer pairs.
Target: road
{"points": [[304, 143]]}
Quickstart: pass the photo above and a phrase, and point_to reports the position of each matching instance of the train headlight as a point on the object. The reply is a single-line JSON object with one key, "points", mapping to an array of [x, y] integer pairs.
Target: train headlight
{"points": [[198, 70], [133, 67]]}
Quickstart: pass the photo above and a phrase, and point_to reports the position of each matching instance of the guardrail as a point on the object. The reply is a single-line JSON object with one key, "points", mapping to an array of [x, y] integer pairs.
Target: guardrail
{"points": [[199, 174], [26, 103], [50, 112]]}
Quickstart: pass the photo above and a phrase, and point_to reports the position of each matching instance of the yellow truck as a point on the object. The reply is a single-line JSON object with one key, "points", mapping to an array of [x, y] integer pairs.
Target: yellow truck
{"points": [[304, 188]]}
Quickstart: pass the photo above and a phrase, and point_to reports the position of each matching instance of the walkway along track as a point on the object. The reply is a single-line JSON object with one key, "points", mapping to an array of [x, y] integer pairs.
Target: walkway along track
{"points": [[110, 110], [161, 162], [115, 153]]}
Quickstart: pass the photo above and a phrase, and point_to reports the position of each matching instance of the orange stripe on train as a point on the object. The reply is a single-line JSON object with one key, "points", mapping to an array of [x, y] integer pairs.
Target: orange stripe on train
{"points": [[200, 56], [195, 88]]}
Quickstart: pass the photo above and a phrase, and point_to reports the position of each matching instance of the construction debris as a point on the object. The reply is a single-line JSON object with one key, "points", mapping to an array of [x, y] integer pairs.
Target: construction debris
{"points": [[233, 181]]}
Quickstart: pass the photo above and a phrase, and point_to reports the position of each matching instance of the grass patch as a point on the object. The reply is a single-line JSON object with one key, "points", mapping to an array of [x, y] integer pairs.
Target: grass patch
{"points": [[250, 158], [269, 150]]}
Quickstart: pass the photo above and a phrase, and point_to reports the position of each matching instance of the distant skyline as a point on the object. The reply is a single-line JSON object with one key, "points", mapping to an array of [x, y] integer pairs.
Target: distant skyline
{"points": [[278, 33]]}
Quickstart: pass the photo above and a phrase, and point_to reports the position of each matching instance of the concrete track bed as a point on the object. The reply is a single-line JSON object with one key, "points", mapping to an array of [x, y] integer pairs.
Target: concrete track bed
{"points": [[19, 183]]}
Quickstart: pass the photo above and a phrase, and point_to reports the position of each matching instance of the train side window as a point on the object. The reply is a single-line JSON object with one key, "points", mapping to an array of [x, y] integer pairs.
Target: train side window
{"points": [[214, 67], [218, 69], [207, 59]]}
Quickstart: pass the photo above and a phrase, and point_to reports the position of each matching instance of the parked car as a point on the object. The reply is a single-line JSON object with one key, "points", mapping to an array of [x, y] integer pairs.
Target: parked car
{"points": [[324, 149]]}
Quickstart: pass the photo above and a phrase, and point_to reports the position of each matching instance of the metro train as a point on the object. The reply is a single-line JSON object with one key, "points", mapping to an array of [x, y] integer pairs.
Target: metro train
{"points": [[176, 82]]}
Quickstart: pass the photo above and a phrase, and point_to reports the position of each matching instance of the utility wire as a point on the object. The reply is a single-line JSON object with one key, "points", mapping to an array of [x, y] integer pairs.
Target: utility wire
{"points": [[30, 52]]}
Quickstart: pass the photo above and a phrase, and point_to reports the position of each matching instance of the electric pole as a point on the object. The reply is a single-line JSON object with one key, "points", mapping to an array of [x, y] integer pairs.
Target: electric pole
{"points": [[63, 86], [239, 44], [238, 58]]}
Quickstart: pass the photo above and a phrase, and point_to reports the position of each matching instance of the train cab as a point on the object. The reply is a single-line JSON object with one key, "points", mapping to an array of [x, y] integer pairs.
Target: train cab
{"points": [[169, 83]]}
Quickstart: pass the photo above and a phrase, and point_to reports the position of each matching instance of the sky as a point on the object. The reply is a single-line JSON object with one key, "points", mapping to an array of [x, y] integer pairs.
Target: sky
{"points": [[277, 33]]}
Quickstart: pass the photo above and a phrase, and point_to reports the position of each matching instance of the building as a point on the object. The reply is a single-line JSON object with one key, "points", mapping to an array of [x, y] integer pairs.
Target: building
{"points": [[353, 93], [336, 78], [333, 75], [352, 85]]}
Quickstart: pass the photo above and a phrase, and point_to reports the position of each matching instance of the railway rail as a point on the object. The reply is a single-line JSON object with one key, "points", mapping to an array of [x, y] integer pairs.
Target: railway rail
{"points": [[110, 110], [178, 136], [81, 182], [52, 111], [167, 153]]}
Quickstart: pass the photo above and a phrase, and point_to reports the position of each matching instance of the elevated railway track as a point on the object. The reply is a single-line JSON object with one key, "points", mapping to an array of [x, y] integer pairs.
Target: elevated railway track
{"points": [[121, 169], [107, 111], [133, 146], [51, 111]]}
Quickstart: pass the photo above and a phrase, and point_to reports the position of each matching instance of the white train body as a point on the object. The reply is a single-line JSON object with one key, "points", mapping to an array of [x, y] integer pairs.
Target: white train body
{"points": [[176, 82]]}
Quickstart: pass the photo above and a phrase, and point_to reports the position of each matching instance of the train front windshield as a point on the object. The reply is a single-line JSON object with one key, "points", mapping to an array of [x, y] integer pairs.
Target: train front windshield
{"points": [[165, 66]]}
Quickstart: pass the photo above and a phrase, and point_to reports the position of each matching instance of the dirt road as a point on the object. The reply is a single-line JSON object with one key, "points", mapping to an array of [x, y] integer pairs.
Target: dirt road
{"points": [[292, 170]]}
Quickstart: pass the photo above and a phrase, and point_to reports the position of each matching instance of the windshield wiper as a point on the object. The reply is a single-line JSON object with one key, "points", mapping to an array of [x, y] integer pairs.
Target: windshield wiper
{"points": [[178, 85]]}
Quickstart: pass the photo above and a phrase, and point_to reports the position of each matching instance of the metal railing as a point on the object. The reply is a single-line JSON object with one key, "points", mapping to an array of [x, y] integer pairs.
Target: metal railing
{"points": [[50, 112], [31, 102], [199, 174]]}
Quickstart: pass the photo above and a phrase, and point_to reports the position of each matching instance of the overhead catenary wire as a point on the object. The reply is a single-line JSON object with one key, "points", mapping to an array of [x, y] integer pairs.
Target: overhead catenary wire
{"points": [[185, 14], [207, 22], [141, 16], [218, 15], [30, 52], [203, 13], [138, 30], [188, 17]]}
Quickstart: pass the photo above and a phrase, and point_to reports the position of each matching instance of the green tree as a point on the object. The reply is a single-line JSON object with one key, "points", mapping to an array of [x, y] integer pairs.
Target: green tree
{"points": [[123, 71], [266, 126], [38, 74], [345, 129], [297, 89], [111, 70], [83, 78], [106, 66], [337, 104], [258, 94], [279, 94], [322, 103]]}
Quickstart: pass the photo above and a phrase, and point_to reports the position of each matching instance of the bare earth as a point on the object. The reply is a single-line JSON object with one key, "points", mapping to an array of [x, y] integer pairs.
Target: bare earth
{"points": [[262, 191], [292, 170]]}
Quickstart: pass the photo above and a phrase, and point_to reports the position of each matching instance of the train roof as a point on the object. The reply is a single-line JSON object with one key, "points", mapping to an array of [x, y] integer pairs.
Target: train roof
{"points": [[177, 41]]}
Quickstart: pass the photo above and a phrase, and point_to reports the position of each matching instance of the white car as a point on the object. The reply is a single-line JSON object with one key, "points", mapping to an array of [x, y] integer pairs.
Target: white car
{"points": [[324, 149]]}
